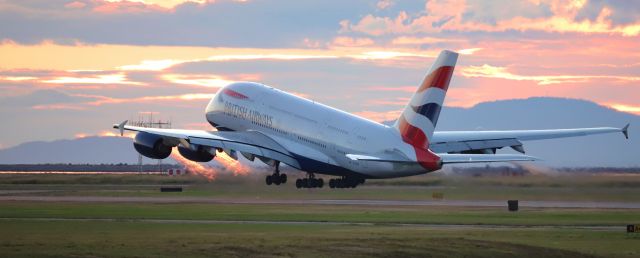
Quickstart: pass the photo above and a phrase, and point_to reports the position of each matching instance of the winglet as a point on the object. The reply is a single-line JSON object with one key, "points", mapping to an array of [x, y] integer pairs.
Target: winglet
{"points": [[625, 130], [121, 127]]}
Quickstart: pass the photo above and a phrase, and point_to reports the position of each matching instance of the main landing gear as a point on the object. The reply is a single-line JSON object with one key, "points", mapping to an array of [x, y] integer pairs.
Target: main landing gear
{"points": [[345, 182], [310, 182], [276, 178]]}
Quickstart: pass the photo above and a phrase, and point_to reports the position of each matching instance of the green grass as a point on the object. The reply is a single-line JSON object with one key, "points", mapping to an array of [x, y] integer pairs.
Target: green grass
{"points": [[130, 235], [127, 239], [320, 213]]}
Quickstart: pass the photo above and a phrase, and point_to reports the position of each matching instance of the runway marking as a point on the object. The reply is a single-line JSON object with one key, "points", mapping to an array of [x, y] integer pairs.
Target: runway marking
{"points": [[277, 222], [453, 203]]}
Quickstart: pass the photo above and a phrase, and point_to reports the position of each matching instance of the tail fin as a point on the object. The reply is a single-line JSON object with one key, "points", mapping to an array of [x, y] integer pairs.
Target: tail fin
{"points": [[420, 116]]}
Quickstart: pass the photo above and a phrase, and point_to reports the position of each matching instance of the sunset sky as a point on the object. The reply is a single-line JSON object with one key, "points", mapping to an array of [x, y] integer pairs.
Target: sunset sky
{"points": [[72, 68]]}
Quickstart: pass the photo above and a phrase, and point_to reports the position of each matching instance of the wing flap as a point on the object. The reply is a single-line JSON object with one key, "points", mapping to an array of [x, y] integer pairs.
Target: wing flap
{"points": [[481, 158], [473, 145], [453, 158]]}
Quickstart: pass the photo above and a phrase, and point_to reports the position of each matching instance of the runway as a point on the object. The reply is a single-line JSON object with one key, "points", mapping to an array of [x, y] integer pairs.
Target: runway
{"points": [[451, 203], [263, 222]]}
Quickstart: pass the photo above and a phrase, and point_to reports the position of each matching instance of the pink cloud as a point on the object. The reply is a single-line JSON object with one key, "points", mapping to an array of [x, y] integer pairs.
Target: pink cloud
{"points": [[75, 5], [410, 89], [352, 42], [448, 15], [379, 116]]}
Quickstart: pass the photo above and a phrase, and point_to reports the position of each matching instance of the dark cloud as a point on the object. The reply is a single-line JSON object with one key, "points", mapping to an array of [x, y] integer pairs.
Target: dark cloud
{"points": [[622, 12], [490, 12], [223, 23]]}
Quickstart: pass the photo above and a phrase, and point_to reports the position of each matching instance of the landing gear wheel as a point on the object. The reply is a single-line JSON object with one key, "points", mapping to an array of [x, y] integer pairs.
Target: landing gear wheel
{"points": [[332, 183], [276, 178], [298, 183], [320, 183]]}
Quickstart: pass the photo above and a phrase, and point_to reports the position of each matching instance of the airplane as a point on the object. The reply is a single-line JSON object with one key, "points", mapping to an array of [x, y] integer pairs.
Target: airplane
{"points": [[259, 121]]}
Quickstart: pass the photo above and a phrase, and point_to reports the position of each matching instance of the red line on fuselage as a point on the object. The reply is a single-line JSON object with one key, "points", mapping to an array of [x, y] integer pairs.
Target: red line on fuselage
{"points": [[235, 94]]}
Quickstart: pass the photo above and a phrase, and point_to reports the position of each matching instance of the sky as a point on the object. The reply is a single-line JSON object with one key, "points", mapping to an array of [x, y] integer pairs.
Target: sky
{"points": [[72, 68]]}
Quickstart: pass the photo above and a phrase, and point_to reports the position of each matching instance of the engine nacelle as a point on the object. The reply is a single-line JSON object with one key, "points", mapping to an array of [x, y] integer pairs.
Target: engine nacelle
{"points": [[199, 155], [151, 146]]}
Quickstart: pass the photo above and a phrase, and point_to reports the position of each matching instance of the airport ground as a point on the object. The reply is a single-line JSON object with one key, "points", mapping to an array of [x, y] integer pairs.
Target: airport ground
{"points": [[127, 216]]}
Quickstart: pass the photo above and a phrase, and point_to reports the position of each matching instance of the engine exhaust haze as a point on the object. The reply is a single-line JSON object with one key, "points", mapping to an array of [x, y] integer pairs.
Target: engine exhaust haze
{"points": [[194, 167]]}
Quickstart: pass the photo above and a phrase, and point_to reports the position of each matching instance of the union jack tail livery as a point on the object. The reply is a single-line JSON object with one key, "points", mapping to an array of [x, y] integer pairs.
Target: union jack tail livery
{"points": [[420, 116]]}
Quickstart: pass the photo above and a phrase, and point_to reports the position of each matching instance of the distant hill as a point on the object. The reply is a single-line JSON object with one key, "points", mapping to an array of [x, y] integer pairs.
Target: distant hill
{"points": [[610, 150], [92, 150]]}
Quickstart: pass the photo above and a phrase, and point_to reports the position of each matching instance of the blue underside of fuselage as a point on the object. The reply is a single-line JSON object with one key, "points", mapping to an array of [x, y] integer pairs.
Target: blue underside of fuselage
{"points": [[311, 165], [319, 167]]}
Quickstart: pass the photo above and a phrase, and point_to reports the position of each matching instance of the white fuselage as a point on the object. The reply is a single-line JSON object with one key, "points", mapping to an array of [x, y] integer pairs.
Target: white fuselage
{"points": [[317, 133]]}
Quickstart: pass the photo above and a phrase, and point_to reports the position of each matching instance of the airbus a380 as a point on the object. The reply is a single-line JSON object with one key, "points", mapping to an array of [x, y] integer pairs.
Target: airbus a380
{"points": [[276, 127]]}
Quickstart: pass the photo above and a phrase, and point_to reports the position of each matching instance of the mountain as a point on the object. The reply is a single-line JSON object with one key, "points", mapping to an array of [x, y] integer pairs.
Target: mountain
{"points": [[533, 113], [92, 150]]}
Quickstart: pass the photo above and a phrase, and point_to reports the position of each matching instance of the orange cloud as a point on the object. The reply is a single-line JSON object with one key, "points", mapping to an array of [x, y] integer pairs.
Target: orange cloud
{"points": [[469, 51], [625, 108], [17, 78], [103, 100], [105, 134], [408, 40], [125, 6], [50, 56], [489, 71], [197, 80], [151, 65], [379, 116], [117, 78]]}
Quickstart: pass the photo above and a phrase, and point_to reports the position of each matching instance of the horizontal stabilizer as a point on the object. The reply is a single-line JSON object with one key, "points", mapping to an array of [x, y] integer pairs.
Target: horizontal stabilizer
{"points": [[481, 158]]}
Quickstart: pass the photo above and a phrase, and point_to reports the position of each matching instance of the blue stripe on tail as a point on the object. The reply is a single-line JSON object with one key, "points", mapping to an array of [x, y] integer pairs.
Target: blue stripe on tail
{"points": [[430, 111]]}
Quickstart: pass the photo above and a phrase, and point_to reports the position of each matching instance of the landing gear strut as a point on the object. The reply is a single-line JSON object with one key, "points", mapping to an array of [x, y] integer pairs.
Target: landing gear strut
{"points": [[276, 178], [310, 182], [345, 182]]}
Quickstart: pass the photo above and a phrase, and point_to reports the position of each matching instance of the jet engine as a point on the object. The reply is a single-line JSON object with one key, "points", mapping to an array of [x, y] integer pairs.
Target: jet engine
{"points": [[201, 154], [151, 146]]}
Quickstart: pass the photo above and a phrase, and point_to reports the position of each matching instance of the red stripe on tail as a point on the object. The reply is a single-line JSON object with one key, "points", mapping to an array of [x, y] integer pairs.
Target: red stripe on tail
{"points": [[416, 137], [412, 135], [439, 78]]}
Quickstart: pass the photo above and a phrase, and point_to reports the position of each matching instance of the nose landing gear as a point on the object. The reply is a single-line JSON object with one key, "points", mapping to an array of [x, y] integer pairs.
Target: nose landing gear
{"points": [[276, 178]]}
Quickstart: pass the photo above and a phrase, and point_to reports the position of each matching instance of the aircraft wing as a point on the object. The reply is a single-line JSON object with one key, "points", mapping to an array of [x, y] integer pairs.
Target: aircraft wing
{"points": [[248, 142], [488, 141]]}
